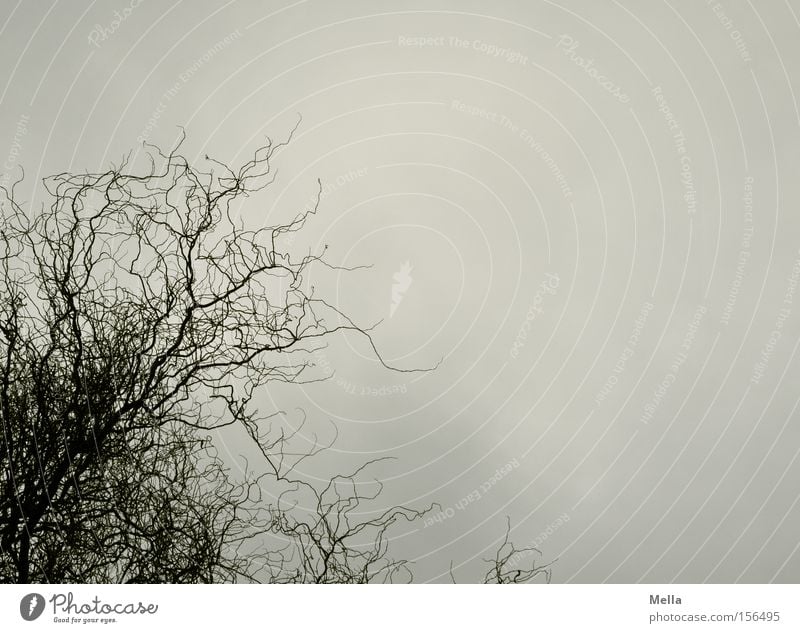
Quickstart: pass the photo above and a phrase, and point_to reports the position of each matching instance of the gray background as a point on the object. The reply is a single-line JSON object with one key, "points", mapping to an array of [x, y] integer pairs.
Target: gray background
{"points": [[485, 173]]}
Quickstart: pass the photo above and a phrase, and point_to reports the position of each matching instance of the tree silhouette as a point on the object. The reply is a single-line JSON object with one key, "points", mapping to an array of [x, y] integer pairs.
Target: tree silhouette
{"points": [[136, 315]]}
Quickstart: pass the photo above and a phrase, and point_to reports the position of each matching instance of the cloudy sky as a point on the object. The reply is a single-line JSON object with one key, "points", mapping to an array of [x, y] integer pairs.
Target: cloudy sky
{"points": [[585, 212]]}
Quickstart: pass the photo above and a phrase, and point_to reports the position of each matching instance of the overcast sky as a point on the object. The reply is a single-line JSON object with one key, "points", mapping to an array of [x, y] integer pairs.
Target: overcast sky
{"points": [[587, 211]]}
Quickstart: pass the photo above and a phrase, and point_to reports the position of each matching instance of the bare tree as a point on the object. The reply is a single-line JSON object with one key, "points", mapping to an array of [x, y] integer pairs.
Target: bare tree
{"points": [[504, 566], [136, 315]]}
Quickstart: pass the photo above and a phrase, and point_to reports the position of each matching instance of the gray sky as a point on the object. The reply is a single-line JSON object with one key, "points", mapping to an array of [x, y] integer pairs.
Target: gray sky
{"points": [[586, 210]]}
